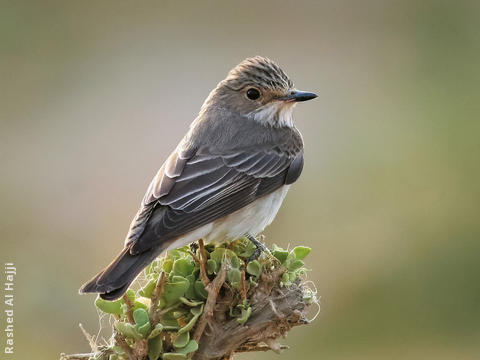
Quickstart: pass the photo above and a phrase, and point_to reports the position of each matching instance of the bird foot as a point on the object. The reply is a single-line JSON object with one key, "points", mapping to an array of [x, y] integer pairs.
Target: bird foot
{"points": [[194, 247], [260, 247]]}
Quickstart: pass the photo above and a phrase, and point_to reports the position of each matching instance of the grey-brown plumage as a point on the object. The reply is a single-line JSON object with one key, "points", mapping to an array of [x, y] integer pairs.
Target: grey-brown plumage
{"points": [[225, 179]]}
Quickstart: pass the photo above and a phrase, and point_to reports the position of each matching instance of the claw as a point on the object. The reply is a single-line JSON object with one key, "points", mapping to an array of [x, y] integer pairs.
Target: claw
{"points": [[193, 247]]}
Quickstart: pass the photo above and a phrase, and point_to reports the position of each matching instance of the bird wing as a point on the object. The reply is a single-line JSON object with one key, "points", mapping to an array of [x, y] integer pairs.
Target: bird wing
{"points": [[194, 189]]}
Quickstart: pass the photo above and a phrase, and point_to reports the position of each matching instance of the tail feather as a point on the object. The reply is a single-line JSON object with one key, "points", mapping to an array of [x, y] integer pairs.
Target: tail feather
{"points": [[113, 281]]}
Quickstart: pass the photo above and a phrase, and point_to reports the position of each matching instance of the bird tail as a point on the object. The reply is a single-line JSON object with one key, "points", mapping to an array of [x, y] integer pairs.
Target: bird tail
{"points": [[114, 280]]}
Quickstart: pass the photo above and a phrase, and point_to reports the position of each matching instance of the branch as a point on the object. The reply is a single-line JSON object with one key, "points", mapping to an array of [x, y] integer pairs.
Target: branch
{"points": [[212, 288], [274, 312], [156, 295]]}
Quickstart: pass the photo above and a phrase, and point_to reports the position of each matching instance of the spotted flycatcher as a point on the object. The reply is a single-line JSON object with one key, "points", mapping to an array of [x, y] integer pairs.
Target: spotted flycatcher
{"points": [[227, 177]]}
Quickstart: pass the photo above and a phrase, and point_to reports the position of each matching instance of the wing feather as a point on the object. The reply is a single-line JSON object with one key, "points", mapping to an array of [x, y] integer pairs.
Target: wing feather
{"points": [[200, 167], [189, 192]]}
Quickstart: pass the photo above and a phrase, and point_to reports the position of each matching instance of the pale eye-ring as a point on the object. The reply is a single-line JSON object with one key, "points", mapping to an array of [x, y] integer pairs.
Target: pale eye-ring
{"points": [[253, 94]]}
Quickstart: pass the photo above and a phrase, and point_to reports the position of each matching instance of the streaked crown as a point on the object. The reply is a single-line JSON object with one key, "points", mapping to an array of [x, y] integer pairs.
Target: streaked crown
{"points": [[258, 71]]}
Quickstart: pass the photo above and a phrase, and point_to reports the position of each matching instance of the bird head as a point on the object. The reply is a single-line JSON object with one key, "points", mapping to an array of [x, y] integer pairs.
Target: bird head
{"points": [[259, 89]]}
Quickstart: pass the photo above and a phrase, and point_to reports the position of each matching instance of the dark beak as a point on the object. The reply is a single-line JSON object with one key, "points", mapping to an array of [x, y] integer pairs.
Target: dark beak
{"points": [[297, 96]]}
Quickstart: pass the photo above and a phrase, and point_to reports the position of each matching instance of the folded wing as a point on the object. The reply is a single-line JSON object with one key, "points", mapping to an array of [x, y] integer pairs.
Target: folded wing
{"points": [[192, 190]]}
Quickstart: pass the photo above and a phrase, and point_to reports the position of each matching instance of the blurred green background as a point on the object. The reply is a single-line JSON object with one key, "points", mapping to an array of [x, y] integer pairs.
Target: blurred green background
{"points": [[389, 199]]}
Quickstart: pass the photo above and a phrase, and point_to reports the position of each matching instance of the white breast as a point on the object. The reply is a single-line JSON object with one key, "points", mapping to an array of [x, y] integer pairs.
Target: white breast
{"points": [[251, 219]]}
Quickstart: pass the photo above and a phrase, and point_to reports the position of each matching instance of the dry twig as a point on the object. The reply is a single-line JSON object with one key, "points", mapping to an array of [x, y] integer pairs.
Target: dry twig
{"points": [[203, 263], [156, 296], [129, 305], [212, 288], [127, 349]]}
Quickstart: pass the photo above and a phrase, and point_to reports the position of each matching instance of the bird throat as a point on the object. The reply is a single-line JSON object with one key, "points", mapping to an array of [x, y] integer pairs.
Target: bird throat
{"points": [[276, 113]]}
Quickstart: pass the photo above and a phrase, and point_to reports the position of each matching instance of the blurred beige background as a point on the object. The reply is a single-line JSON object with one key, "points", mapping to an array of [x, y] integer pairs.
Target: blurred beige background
{"points": [[389, 199]]}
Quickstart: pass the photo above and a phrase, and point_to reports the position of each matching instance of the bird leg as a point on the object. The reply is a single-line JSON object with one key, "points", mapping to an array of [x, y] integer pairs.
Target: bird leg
{"points": [[258, 244]]}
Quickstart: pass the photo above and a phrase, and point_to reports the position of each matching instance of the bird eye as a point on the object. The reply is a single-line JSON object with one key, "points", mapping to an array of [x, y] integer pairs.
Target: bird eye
{"points": [[253, 94]]}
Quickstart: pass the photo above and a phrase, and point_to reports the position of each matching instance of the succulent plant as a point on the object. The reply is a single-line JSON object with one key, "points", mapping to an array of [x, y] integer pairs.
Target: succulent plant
{"points": [[163, 314]]}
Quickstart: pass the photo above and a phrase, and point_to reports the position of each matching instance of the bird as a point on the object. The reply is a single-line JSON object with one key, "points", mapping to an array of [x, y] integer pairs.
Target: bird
{"points": [[227, 177]]}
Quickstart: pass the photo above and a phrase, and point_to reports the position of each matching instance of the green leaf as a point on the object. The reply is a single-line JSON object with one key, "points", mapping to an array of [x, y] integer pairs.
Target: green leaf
{"points": [[174, 356], [178, 278], [285, 278], [130, 294], [139, 305], [254, 268], [245, 248], [181, 340], [179, 313], [144, 329], [174, 254], [127, 330], [190, 302], [196, 314], [301, 252], [234, 276], [235, 262], [169, 322], [141, 317], [155, 348], [150, 269], [168, 265], [200, 289], [211, 266], [157, 330], [219, 254], [296, 264], [142, 321], [147, 290], [171, 327], [172, 291], [189, 325], [245, 315], [190, 347], [197, 310], [113, 357], [109, 307], [190, 293], [280, 254], [182, 267], [184, 249]]}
